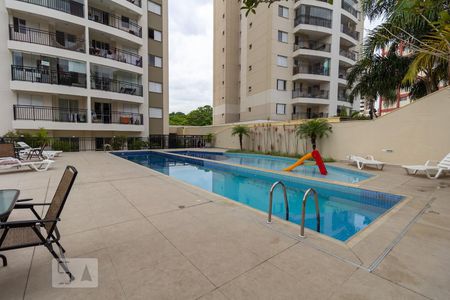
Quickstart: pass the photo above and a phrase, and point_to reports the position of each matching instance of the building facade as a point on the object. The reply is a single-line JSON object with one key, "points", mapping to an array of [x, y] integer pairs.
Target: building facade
{"points": [[84, 68], [288, 61]]}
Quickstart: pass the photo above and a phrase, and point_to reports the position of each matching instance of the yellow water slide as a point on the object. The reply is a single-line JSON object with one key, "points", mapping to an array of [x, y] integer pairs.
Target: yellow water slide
{"points": [[299, 162]]}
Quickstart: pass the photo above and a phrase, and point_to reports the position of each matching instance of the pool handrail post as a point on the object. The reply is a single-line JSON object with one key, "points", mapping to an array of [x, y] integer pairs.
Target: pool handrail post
{"points": [[286, 203], [316, 200]]}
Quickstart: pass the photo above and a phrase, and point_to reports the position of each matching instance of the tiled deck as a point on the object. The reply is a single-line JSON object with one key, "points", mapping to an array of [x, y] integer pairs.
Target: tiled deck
{"points": [[157, 238]]}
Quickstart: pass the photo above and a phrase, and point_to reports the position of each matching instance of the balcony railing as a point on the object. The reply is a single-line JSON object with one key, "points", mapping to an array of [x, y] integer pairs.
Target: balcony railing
{"points": [[344, 98], [303, 94], [118, 55], [46, 38], [119, 22], [44, 75], [349, 54], [48, 113], [116, 117], [311, 69], [67, 6], [116, 86], [350, 9], [313, 45], [348, 31], [304, 115], [307, 19], [136, 2]]}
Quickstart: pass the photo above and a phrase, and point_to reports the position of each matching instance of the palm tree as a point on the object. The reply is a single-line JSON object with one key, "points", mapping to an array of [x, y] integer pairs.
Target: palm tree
{"points": [[367, 78], [420, 25], [314, 129], [240, 130]]}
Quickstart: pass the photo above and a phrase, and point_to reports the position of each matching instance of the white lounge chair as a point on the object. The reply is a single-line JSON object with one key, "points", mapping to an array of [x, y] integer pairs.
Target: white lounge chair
{"points": [[433, 169], [369, 160], [48, 154], [37, 165]]}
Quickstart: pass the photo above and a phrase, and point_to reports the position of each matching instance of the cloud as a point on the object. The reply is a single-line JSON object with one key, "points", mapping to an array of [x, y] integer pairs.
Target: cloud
{"points": [[190, 54]]}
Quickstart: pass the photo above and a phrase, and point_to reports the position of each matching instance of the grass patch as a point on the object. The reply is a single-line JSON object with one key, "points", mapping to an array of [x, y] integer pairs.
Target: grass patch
{"points": [[298, 155]]}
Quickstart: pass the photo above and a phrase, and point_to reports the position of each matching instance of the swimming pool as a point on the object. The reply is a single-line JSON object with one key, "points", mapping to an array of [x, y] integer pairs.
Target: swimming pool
{"points": [[279, 163], [344, 210]]}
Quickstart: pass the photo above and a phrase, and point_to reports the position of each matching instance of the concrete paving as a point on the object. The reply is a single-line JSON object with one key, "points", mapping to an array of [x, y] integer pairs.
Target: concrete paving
{"points": [[158, 238]]}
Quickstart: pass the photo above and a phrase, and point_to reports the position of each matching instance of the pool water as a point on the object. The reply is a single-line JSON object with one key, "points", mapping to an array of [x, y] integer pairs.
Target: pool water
{"points": [[279, 163], [344, 210]]}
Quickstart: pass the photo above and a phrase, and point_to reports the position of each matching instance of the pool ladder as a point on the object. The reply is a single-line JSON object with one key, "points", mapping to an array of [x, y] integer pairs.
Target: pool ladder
{"points": [[286, 204]]}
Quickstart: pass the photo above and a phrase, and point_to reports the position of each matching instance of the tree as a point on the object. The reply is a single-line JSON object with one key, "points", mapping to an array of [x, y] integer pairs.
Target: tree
{"points": [[367, 78], [201, 116], [314, 129], [177, 118], [421, 26], [240, 130]]}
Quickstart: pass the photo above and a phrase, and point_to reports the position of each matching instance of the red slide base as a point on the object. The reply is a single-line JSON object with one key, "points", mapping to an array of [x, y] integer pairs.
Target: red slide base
{"points": [[319, 162]]}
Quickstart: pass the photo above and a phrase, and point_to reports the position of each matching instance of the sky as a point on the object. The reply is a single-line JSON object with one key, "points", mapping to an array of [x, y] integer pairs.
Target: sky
{"points": [[191, 53]]}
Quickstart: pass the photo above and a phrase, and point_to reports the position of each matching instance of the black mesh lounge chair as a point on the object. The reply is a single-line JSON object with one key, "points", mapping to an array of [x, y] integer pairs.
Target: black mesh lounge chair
{"points": [[41, 231], [37, 152]]}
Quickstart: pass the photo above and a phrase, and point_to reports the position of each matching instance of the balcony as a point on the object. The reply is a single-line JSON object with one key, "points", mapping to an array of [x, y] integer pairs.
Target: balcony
{"points": [[119, 22], [115, 117], [351, 32], [136, 2], [348, 7], [310, 20], [344, 98], [116, 86], [307, 116], [349, 54], [313, 45], [311, 69], [117, 55], [48, 113], [67, 6], [46, 38], [323, 94], [46, 75]]}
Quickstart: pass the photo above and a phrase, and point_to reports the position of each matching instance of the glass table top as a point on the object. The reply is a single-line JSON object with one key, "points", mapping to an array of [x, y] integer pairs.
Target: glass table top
{"points": [[8, 199]]}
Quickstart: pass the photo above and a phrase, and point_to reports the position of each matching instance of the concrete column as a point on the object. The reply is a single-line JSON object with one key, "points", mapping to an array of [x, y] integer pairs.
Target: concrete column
{"points": [[88, 64]]}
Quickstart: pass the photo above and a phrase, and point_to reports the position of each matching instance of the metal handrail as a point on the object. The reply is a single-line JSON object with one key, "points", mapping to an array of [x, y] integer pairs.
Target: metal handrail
{"points": [[316, 199], [286, 204]]}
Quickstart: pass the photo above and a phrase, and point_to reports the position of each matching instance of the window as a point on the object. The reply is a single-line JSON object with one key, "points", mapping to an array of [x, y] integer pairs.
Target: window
{"points": [[19, 25], [281, 85], [250, 24], [249, 89], [282, 36], [125, 22], [155, 61], [249, 109], [249, 68], [155, 113], [155, 34], [282, 61], [155, 87], [281, 109], [154, 7], [283, 11], [250, 46]]}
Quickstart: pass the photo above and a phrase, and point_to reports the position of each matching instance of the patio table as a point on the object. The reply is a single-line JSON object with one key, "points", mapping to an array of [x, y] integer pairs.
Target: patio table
{"points": [[8, 199]]}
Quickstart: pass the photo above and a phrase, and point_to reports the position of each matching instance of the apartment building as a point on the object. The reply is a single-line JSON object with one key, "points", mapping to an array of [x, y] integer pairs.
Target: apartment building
{"points": [[288, 61], [84, 68]]}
